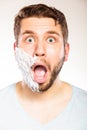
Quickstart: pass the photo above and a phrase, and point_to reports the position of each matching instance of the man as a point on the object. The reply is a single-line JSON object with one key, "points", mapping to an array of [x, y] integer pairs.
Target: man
{"points": [[41, 100]]}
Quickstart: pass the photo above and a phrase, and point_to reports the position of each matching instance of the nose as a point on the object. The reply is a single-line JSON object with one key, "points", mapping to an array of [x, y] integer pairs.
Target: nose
{"points": [[40, 50]]}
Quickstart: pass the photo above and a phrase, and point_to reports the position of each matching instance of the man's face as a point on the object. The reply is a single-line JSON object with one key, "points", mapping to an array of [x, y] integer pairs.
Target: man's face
{"points": [[43, 38]]}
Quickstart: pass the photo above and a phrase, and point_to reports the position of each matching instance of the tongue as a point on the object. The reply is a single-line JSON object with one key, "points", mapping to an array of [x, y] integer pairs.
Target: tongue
{"points": [[39, 74]]}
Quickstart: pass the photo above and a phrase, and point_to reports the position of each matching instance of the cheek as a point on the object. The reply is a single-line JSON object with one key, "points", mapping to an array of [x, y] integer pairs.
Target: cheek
{"points": [[55, 53], [62, 53], [27, 49], [54, 56]]}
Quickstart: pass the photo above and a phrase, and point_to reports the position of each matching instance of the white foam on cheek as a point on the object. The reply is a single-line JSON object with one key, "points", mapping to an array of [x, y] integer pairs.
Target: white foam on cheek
{"points": [[25, 62]]}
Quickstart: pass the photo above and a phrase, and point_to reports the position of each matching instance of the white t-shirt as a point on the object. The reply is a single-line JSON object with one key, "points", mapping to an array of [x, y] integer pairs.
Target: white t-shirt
{"points": [[13, 116]]}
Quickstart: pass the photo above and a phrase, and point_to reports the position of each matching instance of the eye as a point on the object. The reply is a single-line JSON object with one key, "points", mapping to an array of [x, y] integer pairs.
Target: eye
{"points": [[51, 40], [30, 39]]}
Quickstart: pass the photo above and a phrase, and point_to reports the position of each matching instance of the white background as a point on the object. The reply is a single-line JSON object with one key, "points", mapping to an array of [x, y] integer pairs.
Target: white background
{"points": [[75, 69]]}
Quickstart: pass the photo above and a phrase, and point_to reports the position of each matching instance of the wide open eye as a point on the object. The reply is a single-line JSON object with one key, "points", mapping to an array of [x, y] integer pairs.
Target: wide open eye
{"points": [[30, 39], [51, 40]]}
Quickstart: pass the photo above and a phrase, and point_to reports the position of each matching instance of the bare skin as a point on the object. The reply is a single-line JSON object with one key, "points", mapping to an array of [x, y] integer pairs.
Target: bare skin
{"points": [[45, 106], [43, 38]]}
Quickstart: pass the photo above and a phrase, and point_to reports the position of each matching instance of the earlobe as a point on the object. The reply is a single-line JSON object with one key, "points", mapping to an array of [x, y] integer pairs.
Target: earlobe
{"points": [[67, 48], [15, 45]]}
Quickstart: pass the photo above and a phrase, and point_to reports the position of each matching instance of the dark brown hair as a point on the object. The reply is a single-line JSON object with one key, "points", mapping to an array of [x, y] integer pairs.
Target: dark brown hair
{"points": [[41, 10]]}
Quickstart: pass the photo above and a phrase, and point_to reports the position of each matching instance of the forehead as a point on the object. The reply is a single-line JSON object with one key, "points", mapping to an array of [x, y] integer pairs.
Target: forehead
{"points": [[35, 21], [39, 24]]}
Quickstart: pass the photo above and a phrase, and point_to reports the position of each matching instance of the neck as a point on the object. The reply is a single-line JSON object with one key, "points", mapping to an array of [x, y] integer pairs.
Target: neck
{"points": [[45, 106], [54, 91]]}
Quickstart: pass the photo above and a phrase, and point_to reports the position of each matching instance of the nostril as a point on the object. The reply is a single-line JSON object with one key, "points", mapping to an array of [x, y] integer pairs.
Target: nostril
{"points": [[36, 54], [40, 50], [40, 54]]}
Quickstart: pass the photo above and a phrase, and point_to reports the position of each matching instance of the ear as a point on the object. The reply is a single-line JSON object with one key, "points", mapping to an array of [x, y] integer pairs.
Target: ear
{"points": [[67, 48], [15, 45]]}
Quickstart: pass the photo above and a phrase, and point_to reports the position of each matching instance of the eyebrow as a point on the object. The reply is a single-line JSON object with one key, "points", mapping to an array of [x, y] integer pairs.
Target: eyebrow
{"points": [[48, 32], [53, 32], [28, 32]]}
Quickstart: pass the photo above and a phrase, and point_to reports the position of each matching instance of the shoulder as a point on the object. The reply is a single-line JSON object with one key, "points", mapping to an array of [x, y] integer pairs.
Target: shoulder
{"points": [[80, 97], [7, 96], [5, 92], [80, 103], [8, 105], [80, 94]]}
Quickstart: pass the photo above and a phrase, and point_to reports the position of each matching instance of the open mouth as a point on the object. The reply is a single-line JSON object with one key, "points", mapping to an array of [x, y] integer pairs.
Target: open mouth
{"points": [[40, 73]]}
